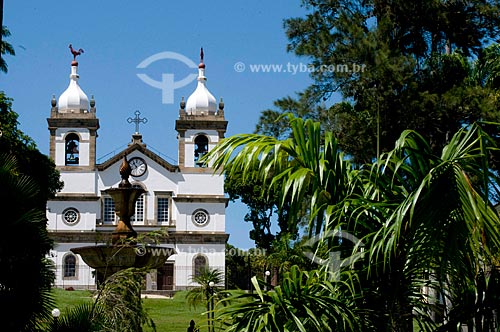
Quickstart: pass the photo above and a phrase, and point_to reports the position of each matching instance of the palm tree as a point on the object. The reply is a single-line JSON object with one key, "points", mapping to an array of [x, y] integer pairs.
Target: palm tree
{"points": [[304, 301], [426, 220], [207, 291], [5, 48], [117, 307], [80, 318], [306, 167], [435, 226], [485, 71], [120, 301]]}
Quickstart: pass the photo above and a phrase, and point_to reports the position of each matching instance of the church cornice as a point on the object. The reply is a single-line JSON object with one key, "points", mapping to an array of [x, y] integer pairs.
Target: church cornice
{"points": [[73, 169], [201, 122], [197, 237], [75, 197], [75, 121], [201, 198], [141, 148], [172, 238]]}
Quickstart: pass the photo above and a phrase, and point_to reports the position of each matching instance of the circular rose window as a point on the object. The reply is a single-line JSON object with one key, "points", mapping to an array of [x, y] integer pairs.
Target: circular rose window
{"points": [[200, 217], [71, 216]]}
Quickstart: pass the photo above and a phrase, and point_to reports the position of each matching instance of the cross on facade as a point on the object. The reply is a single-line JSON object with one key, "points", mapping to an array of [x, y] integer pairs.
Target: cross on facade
{"points": [[137, 120]]}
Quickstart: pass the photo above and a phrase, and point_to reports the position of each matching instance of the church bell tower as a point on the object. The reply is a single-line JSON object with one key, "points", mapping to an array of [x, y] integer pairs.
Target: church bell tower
{"points": [[200, 126], [73, 126]]}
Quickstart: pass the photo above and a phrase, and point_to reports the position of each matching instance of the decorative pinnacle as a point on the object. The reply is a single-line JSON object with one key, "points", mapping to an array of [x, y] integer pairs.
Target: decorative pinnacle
{"points": [[183, 104], [125, 172], [202, 64], [221, 104]]}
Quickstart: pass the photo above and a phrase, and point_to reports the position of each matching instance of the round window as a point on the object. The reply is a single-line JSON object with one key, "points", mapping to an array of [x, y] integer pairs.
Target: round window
{"points": [[71, 216], [200, 217]]}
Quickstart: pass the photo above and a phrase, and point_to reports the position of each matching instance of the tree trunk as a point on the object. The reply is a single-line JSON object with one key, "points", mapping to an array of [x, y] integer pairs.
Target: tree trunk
{"points": [[401, 315], [402, 319]]}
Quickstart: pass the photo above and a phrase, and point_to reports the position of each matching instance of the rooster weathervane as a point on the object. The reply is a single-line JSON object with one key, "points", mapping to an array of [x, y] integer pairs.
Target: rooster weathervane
{"points": [[75, 52]]}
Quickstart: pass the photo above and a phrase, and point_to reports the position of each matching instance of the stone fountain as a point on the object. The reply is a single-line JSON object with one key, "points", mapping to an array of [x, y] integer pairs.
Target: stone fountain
{"points": [[124, 251]]}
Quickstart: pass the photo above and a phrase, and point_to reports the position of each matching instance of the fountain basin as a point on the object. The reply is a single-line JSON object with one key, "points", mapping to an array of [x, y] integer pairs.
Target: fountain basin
{"points": [[108, 259]]}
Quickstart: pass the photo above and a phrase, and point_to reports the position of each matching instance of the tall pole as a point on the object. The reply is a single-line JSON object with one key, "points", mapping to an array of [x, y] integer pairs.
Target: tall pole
{"points": [[378, 130], [211, 313], [377, 100], [378, 137], [249, 274]]}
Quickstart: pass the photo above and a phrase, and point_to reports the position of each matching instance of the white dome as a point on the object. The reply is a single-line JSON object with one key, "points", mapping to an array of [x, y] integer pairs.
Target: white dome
{"points": [[73, 99], [201, 101]]}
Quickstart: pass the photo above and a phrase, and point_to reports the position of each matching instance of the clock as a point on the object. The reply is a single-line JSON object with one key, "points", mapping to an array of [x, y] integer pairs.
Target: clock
{"points": [[138, 166]]}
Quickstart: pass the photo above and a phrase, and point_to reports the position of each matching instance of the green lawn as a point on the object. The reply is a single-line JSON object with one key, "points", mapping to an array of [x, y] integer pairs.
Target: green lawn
{"points": [[173, 314], [169, 315], [66, 299]]}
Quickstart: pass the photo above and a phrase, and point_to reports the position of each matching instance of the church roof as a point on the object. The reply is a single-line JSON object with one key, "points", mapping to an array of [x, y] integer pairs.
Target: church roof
{"points": [[137, 146]]}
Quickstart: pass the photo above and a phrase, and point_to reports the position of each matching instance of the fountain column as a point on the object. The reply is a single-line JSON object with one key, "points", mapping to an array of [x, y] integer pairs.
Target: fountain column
{"points": [[124, 251]]}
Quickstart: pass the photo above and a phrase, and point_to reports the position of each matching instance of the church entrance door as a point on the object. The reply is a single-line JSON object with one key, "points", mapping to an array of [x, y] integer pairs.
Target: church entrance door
{"points": [[165, 277]]}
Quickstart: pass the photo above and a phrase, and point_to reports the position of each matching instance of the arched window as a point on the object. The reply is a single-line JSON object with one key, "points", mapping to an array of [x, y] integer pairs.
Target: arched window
{"points": [[200, 264], [72, 148], [200, 149], [69, 267]]}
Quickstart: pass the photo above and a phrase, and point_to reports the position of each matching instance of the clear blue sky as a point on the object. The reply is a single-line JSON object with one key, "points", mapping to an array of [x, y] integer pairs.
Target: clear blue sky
{"points": [[118, 35]]}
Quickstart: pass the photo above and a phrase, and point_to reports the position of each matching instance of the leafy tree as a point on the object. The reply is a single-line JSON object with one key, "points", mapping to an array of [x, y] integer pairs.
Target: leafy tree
{"points": [[427, 224], [30, 160], [28, 179], [5, 48], [398, 65], [237, 266], [242, 265], [26, 275], [263, 208]]}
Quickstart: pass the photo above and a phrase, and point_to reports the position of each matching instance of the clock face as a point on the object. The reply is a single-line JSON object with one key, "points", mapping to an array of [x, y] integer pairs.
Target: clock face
{"points": [[138, 166]]}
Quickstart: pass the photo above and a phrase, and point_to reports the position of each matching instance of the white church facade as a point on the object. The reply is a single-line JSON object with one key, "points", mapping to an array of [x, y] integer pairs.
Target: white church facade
{"points": [[185, 201]]}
